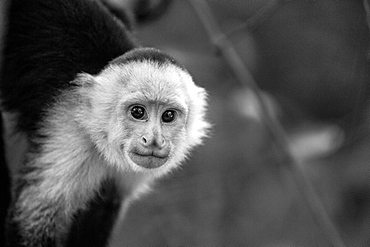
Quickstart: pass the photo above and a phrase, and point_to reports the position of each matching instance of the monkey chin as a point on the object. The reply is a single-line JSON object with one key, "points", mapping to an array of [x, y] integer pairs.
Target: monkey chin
{"points": [[148, 161]]}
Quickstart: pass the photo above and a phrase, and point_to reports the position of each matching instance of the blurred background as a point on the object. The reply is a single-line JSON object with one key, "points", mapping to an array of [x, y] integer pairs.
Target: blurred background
{"points": [[310, 58]]}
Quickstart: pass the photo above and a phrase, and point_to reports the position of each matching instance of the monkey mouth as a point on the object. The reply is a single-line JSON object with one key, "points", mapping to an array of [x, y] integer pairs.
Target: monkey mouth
{"points": [[155, 155], [149, 160]]}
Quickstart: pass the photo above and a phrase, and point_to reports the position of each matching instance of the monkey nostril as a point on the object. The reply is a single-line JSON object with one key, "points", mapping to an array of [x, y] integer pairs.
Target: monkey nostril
{"points": [[162, 143], [144, 140]]}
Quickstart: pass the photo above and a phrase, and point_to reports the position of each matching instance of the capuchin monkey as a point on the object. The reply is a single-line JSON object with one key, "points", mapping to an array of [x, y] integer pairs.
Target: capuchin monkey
{"points": [[99, 118]]}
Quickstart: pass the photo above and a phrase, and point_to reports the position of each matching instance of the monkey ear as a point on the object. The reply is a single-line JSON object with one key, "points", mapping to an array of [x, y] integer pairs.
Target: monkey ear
{"points": [[84, 80], [84, 83]]}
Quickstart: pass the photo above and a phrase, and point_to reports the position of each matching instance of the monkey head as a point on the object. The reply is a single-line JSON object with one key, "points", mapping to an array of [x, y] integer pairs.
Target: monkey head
{"points": [[143, 111]]}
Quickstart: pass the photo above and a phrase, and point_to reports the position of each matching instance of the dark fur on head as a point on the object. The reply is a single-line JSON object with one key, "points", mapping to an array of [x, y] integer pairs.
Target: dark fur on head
{"points": [[146, 54]]}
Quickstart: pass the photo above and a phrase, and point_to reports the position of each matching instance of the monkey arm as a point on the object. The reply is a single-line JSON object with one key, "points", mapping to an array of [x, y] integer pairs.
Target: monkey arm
{"points": [[50, 195]]}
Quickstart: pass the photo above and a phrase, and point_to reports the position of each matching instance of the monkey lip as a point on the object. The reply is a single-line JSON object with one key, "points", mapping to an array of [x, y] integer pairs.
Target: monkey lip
{"points": [[155, 155], [148, 159]]}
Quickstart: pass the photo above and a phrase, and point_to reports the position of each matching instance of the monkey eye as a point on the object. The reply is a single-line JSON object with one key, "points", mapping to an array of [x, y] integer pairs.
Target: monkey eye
{"points": [[169, 116], [138, 112]]}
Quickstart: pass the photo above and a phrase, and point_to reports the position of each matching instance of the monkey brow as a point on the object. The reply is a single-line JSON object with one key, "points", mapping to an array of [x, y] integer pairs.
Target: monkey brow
{"points": [[181, 106], [178, 104]]}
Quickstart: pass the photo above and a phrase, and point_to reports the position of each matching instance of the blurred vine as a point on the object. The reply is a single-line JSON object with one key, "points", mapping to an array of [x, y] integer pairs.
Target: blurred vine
{"points": [[226, 49]]}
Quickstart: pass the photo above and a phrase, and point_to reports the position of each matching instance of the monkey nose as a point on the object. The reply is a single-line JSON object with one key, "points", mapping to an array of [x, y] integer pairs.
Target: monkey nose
{"points": [[153, 142]]}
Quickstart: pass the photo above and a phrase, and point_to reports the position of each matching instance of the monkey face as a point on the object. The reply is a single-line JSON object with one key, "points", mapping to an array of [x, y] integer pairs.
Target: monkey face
{"points": [[154, 122], [156, 131]]}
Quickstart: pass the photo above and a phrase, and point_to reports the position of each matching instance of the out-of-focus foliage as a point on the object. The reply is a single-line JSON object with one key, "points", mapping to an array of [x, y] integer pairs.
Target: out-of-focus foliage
{"points": [[311, 58], [4, 176]]}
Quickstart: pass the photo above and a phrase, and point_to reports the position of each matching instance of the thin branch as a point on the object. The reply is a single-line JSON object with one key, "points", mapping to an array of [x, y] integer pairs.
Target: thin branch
{"points": [[245, 77], [259, 16]]}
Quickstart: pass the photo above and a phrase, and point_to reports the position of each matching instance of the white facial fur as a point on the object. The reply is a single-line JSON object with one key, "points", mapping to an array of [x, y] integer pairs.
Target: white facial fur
{"points": [[157, 88]]}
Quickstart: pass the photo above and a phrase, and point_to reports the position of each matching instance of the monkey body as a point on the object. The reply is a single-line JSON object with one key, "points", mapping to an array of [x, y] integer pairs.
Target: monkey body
{"points": [[101, 117]]}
